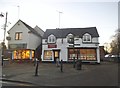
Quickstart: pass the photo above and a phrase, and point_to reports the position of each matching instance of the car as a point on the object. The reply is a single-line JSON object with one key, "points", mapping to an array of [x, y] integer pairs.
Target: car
{"points": [[115, 55], [108, 55]]}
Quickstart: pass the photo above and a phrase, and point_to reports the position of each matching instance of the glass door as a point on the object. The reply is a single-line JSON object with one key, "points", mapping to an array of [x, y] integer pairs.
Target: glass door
{"points": [[56, 55]]}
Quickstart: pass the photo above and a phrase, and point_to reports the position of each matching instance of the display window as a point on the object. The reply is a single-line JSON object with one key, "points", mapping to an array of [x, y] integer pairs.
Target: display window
{"points": [[72, 53], [88, 54], [22, 54], [48, 55], [83, 54]]}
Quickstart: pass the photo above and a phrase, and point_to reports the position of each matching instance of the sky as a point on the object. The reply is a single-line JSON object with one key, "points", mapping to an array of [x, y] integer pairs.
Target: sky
{"points": [[102, 14]]}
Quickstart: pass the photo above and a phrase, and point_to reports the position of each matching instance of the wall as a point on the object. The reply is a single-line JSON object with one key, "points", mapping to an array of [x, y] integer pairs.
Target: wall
{"points": [[33, 41], [64, 47], [30, 39], [19, 27]]}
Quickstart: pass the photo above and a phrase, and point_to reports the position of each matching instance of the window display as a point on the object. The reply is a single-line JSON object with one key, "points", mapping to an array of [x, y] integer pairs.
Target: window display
{"points": [[22, 54], [47, 55], [83, 54]]}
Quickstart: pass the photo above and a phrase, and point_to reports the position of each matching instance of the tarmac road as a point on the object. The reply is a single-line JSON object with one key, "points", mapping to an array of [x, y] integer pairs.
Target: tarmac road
{"points": [[104, 74]]}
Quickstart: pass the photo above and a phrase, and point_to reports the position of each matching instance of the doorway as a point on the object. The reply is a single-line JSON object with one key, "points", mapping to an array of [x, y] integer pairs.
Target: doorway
{"points": [[56, 55]]}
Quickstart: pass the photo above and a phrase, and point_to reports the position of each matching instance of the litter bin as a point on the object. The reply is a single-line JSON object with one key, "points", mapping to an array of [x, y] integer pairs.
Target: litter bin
{"points": [[78, 64]]}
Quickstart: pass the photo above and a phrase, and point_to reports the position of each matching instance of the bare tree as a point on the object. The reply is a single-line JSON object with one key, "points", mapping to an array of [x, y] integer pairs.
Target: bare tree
{"points": [[115, 44]]}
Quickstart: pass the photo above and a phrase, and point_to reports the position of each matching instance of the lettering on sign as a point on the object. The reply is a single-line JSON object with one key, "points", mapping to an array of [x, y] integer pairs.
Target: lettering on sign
{"points": [[52, 46]]}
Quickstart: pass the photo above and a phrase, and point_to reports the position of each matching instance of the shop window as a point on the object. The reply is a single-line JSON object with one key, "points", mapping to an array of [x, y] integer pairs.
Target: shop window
{"points": [[86, 37], [73, 53], [51, 39], [88, 54], [47, 55], [23, 54], [83, 54]]}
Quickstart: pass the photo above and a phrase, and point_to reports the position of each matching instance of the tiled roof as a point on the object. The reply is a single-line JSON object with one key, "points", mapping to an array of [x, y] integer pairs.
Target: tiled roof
{"points": [[62, 33], [31, 29]]}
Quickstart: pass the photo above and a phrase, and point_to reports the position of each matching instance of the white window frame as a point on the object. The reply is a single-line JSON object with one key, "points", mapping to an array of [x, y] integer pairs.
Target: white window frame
{"points": [[18, 36], [86, 37], [68, 37], [51, 39]]}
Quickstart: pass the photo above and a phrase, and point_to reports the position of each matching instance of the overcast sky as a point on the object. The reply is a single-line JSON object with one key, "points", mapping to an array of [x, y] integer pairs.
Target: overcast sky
{"points": [[102, 14]]}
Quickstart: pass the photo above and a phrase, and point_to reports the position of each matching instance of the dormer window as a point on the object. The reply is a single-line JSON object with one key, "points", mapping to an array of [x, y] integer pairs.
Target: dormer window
{"points": [[86, 37], [70, 38], [51, 39]]}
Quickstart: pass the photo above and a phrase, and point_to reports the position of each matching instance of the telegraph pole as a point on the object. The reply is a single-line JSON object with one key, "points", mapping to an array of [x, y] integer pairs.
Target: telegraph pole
{"points": [[5, 25]]}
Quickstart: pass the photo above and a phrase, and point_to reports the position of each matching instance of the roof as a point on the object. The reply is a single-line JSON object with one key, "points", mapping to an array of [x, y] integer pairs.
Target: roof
{"points": [[62, 33], [31, 29], [39, 30]]}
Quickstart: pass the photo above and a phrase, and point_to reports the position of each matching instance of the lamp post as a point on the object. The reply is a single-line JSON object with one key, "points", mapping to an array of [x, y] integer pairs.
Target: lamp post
{"points": [[4, 34]]}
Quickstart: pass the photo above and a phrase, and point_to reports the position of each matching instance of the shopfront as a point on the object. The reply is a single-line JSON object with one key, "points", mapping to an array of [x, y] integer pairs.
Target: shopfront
{"points": [[83, 54], [51, 55], [23, 54]]}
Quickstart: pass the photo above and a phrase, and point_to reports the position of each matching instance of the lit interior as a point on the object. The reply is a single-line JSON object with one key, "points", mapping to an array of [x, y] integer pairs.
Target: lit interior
{"points": [[23, 54]]}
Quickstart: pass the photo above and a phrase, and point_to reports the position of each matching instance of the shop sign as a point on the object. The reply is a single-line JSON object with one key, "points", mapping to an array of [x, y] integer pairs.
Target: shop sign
{"points": [[52, 46]]}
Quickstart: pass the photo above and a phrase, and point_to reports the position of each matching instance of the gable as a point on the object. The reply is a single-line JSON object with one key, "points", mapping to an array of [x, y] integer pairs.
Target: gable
{"points": [[20, 25]]}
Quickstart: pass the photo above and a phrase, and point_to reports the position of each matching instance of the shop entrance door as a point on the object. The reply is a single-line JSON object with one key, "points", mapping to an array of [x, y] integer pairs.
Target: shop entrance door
{"points": [[56, 55]]}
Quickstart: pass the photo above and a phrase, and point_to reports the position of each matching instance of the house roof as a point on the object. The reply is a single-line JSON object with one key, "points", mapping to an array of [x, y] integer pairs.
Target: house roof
{"points": [[62, 33], [39, 30], [29, 28]]}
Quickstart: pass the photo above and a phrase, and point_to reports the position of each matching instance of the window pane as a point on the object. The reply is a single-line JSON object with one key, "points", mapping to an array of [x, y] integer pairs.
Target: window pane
{"points": [[72, 54], [16, 36], [56, 54], [83, 54], [88, 37], [91, 55], [20, 35], [84, 38], [50, 39]]}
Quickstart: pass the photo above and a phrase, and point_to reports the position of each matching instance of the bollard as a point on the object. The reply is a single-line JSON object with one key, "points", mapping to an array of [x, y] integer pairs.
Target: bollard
{"points": [[57, 62], [35, 61], [36, 70], [61, 67], [78, 64], [74, 62]]}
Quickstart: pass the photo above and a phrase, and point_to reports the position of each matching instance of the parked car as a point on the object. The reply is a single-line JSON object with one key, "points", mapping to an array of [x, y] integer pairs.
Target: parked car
{"points": [[108, 55]]}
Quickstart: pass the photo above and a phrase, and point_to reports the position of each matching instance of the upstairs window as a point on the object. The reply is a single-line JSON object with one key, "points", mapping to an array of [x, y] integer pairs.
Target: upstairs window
{"points": [[70, 38], [18, 35], [86, 37], [51, 39]]}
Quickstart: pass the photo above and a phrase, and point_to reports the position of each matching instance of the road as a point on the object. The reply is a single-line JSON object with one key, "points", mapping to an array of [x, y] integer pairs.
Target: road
{"points": [[104, 74]]}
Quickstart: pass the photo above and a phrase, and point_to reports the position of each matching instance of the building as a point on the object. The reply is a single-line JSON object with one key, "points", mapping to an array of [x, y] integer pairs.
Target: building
{"points": [[102, 53], [23, 40], [55, 44]]}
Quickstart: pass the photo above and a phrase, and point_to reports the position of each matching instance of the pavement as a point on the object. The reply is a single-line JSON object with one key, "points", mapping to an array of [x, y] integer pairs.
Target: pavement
{"points": [[104, 74]]}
